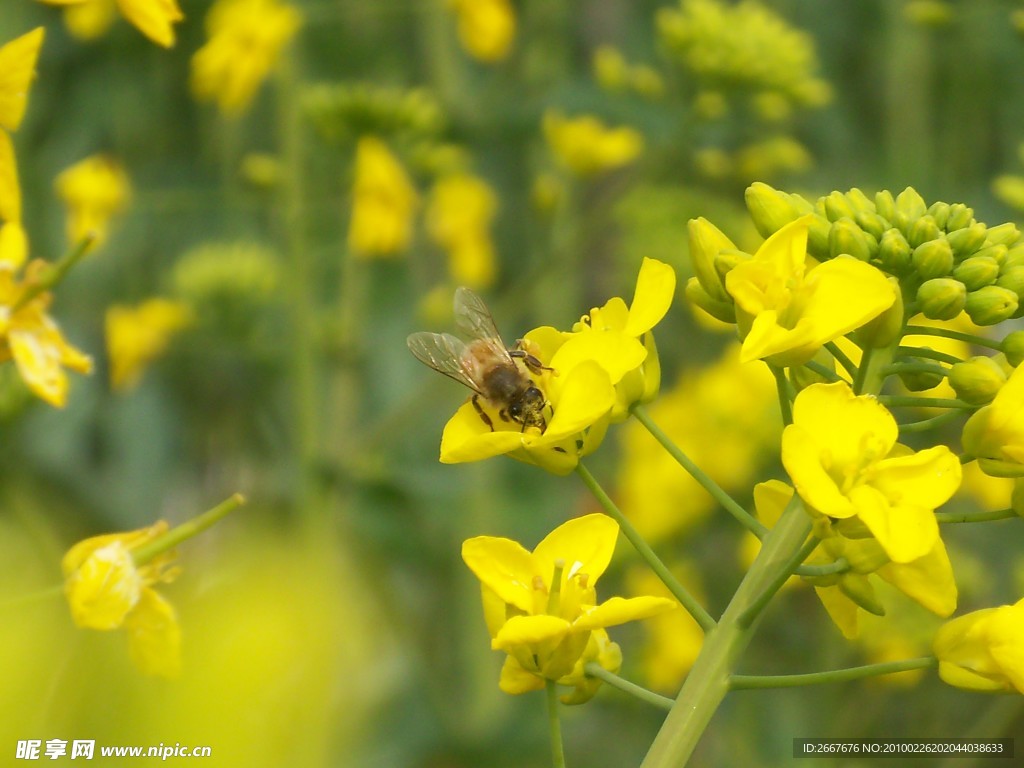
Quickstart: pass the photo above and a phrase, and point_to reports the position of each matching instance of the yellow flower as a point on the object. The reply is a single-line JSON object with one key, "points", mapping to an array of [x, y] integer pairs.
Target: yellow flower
{"points": [[153, 18], [107, 590], [30, 337], [785, 311], [842, 455], [486, 27], [459, 217], [245, 40], [546, 626], [17, 69], [620, 338], [384, 202], [13, 241], [94, 191], [138, 335], [586, 147], [995, 433], [984, 650]]}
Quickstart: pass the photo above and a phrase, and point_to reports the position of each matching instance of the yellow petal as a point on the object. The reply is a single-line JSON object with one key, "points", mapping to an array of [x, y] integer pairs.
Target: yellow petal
{"points": [[928, 580], [526, 630], [928, 478], [802, 459], [467, 438], [843, 294], [655, 288], [154, 18], [104, 587], [154, 636], [616, 352], [13, 244], [586, 396], [906, 532], [10, 190], [619, 610], [504, 566], [516, 680], [770, 500], [17, 68], [841, 609], [583, 544]]}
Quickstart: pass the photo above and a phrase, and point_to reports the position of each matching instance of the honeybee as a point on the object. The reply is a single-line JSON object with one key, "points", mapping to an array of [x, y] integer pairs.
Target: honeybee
{"points": [[484, 364]]}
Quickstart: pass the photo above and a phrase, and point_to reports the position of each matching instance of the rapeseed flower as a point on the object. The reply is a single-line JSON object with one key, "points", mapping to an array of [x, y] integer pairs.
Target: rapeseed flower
{"points": [[995, 433], [106, 589], [842, 455], [786, 310], [138, 335], [88, 19], [541, 607], [458, 217], [586, 147], [245, 39], [983, 650], [94, 190], [383, 202], [487, 28]]}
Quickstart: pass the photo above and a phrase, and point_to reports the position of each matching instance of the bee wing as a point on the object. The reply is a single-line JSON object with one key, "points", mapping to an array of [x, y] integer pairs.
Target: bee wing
{"points": [[473, 317], [445, 354]]}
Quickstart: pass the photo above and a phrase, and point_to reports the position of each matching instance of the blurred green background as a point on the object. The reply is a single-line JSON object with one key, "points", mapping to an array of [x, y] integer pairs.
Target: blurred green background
{"points": [[331, 621]]}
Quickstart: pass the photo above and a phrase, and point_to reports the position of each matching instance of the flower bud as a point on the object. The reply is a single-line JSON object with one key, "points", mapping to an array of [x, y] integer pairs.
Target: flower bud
{"points": [[838, 207], [847, 237], [941, 298], [871, 223], [718, 309], [817, 237], [977, 380], [1013, 348], [885, 204], [894, 252], [888, 326], [996, 252], [920, 381], [991, 304], [977, 272], [940, 212], [771, 209], [706, 240], [802, 376], [1012, 280], [858, 588], [1014, 258], [933, 259], [967, 240], [960, 216], [1005, 234], [923, 230], [726, 261], [910, 204], [860, 202]]}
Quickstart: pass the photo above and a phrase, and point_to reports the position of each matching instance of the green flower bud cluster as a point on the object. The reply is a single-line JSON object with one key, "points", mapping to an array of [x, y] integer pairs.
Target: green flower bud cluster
{"points": [[748, 48], [341, 113], [228, 283], [951, 261]]}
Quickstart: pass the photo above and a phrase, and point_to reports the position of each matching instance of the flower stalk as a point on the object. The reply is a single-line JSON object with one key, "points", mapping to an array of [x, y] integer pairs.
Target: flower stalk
{"points": [[187, 530]]}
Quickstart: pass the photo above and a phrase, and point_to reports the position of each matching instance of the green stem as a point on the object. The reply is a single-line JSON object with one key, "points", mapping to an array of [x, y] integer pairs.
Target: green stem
{"points": [[932, 423], [841, 358], [931, 354], [186, 530], [747, 682], [758, 604], [896, 368], [55, 272], [976, 517], [785, 395], [910, 401], [841, 565], [593, 669], [862, 371], [688, 601], [822, 371], [728, 503], [708, 680], [554, 726], [970, 338]]}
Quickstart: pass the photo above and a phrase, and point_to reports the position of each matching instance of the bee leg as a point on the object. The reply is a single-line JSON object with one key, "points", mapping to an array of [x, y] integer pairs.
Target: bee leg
{"points": [[480, 412], [531, 362]]}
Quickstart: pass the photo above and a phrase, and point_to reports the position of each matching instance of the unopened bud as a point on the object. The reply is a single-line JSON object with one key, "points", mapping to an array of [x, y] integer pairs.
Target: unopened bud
{"points": [[1014, 258], [1012, 280], [940, 213], [872, 223], [817, 237], [706, 240], [967, 240], [771, 209], [802, 376], [894, 252], [977, 380], [718, 309], [941, 298], [910, 204], [885, 204], [846, 237], [1005, 234], [859, 201], [923, 230], [727, 260], [858, 588], [838, 207], [997, 252], [1013, 348], [933, 259], [920, 381], [991, 304], [960, 216], [977, 272]]}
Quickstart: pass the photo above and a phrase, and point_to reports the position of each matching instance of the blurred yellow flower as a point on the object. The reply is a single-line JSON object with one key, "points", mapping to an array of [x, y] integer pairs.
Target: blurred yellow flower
{"points": [[17, 70], [30, 337], [107, 590], [587, 147], [541, 607], [13, 241], [842, 455], [487, 28], [995, 434], [94, 190], [383, 202], [136, 336], [153, 18], [458, 217], [984, 650], [245, 40]]}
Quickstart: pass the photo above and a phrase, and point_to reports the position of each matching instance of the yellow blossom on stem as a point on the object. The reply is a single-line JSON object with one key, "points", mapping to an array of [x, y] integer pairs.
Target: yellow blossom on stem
{"points": [[995, 434], [786, 310], [153, 18], [984, 650], [842, 455], [136, 336], [106, 589], [541, 607], [487, 28], [245, 41], [458, 217], [94, 190], [383, 202], [587, 147]]}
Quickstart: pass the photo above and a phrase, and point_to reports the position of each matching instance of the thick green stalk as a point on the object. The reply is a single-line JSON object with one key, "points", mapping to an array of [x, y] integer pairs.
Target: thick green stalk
{"points": [[554, 725], [708, 681]]}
